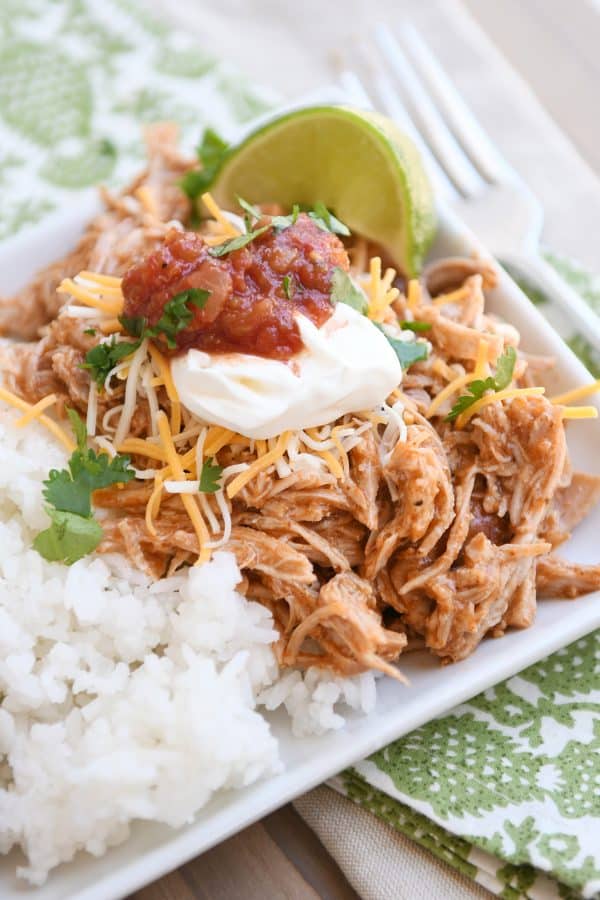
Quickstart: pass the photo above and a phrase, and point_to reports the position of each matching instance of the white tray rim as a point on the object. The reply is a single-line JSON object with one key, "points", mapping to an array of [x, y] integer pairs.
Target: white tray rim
{"points": [[125, 868]]}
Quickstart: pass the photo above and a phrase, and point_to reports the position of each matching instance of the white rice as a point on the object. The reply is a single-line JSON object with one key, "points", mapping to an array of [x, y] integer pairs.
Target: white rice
{"points": [[121, 699]]}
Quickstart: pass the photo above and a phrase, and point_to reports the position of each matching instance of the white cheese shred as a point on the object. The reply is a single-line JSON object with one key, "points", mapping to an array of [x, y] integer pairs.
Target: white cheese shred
{"points": [[131, 391], [92, 409]]}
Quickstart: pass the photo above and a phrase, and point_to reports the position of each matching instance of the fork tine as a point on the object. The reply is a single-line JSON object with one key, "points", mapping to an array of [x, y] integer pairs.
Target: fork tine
{"points": [[387, 100], [391, 104], [459, 117], [437, 134]]}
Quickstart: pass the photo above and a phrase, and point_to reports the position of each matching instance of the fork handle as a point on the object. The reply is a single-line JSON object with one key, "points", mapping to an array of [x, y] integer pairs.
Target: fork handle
{"points": [[541, 275]]}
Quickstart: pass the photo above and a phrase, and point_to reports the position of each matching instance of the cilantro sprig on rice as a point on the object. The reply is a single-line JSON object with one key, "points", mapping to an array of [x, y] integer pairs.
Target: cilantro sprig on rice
{"points": [[74, 532]]}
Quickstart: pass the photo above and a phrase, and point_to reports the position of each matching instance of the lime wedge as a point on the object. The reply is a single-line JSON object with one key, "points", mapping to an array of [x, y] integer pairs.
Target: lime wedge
{"points": [[357, 163]]}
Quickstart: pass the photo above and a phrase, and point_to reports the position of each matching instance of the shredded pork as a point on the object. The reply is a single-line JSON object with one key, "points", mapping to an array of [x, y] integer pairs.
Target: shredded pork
{"points": [[436, 541], [132, 224]]}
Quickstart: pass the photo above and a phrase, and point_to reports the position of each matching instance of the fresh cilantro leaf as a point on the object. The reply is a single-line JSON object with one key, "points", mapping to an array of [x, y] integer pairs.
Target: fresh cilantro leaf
{"points": [[476, 390], [343, 290], [79, 429], [505, 368], [66, 494], [320, 215], [93, 471], [503, 377], [408, 352], [70, 490], [415, 326], [177, 315], [211, 147], [238, 242], [210, 477], [196, 182], [74, 532], [91, 331], [211, 153], [281, 222], [252, 212], [133, 325], [288, 286], [325, 219], [69, 537], [105, 356]]}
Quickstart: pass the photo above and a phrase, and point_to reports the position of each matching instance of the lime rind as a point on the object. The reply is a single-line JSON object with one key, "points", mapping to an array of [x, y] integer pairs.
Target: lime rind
{"points": [[357, 163]]}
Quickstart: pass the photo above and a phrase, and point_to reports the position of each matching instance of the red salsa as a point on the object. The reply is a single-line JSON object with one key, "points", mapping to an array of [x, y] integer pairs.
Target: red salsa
{"points": [[254, 291]]}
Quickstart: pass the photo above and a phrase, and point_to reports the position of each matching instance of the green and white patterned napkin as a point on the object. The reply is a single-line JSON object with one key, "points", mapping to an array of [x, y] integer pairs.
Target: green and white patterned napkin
{"points": [[507, 786], [79, 79]]}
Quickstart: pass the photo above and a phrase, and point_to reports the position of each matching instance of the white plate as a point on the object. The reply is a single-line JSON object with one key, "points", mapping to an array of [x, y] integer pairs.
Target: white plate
{"points": [[153, 850]]}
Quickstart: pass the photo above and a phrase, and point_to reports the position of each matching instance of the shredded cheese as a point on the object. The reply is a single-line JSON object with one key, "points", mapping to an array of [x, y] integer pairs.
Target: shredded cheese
{"points": [[153, 505], [217, 213], [146, 196], [49, 423], [165, 373], [332, 463], [129, 402], [188, 433], [507, 394], [137, 445], [216, 439], [579, 393], [213, 239], [108, 280], [207, 511], [190, 504], [181, 487], [73, 311], [579, 412], [92, 409], [35, 410], [151, 398], [414, 294], [259, 465], [461, 381], [313, 440], [380, 290], [481, 362], [226, 514], [105, 445], [143, 448], [374, 282], [386, 281], [373, 417], [100, 290], [110, 326], [452, 297], [188, 459], [112, 305], [340, 449], [442, 368]]}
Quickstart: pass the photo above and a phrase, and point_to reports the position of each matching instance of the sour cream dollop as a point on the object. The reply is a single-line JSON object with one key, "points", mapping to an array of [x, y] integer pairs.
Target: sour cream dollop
{"points": [[347, 365]]}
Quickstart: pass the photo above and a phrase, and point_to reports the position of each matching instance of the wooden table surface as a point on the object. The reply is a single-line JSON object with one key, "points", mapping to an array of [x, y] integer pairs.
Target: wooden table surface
{"points": [[553, 44]]}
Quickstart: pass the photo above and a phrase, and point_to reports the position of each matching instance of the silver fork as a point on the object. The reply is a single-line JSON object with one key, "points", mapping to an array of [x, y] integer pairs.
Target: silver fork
{"points": [[466, 168]]}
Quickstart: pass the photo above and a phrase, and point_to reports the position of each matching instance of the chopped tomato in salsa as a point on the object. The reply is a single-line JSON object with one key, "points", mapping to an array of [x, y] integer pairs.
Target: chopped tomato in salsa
{"points": [[254, 291]]}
